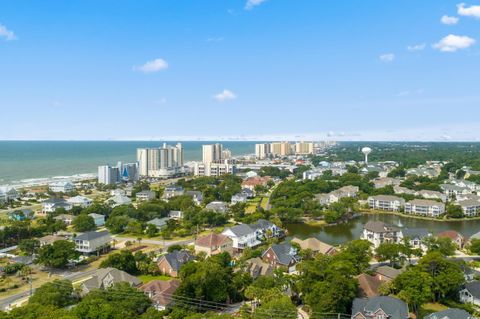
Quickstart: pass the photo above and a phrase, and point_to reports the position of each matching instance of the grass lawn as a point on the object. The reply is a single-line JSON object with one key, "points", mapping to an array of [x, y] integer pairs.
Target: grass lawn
{"points": [[264, 202], [251, 208], [148, 278], [429, 308]]}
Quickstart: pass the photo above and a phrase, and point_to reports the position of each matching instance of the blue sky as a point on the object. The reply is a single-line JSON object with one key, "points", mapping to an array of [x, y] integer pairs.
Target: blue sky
{"points": [[233, 69]]}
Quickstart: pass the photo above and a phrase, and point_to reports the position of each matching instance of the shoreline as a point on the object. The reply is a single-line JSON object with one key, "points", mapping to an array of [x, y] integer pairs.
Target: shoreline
{"points": [[381, 212]]}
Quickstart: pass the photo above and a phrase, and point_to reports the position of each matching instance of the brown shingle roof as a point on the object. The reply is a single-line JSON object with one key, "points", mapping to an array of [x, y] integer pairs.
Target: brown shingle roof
{"points": [[161, 291], [368, 286], [211, 240], [315, 245]]}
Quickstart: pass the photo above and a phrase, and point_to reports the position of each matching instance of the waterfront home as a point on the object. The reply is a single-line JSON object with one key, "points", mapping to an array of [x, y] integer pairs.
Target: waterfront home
{"points": [[104, 278], [80, 201], [425, 207], [282, 255], [175, 214], [98, 219], [428, 194], [256, 267], [377, 232], [93, 242], [118, 200], [239, 198], [8, 194], [160, 292], [379, 307], [450, 313], [172, 191], [171, 263], [242, 236], [21, 214], [213, 244], [403, 190], [196, 196], [145, 196], [416, 237], [386, 181], [386, 202], [315, 245], [265, 229], [455, 236], [160, 223], [217, 206], [470, 207], [61, 187], [454, 190], [66, 218], [471, 293], [52, 204]]}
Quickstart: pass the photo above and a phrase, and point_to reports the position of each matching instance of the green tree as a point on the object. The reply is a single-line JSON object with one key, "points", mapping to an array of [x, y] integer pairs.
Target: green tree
{"points": [[29, 246], [359, 253], [58, 293], [278, 308], [58, 254], [38, 311], [443, 245], [152, 230], [389, 251], [414, 287], [454, 211], [83, 223], [474, 246], [124, 260]]}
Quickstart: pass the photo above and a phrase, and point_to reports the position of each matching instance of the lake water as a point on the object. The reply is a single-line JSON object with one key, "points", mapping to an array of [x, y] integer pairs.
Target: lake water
{"points": [[339, 234]]}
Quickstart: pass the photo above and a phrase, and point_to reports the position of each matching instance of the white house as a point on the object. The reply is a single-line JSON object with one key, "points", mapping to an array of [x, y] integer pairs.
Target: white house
{"points": [[336, 195], [8, 193], [92, 242], [80, 201], [217, 206], [172, 191], [52, 204], [239, 198], [98, 219], [242, 236], [425, 207], [471, 293], [175, 214], [386, 202], [118, 200], [379, 232], [66, 218], [62, 187], [145, 196]]}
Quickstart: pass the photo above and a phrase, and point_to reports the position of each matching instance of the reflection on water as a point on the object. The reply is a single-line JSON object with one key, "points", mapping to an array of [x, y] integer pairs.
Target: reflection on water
{"points": [[339, 234]]}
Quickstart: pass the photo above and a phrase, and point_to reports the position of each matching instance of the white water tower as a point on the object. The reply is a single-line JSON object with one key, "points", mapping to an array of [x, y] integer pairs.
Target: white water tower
{"points": [[366, 151]]}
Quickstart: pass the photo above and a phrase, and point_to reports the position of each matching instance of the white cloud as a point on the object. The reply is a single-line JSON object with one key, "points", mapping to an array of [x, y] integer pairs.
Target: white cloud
{"points": [[449, 20], [8, 35], [253, 3], [472, 11], [416, 47], [153, 66], [452, 43], [387, 57], [225, 95]]}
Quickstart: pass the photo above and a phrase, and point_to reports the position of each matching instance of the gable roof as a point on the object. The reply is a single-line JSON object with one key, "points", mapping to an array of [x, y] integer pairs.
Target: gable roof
{"points": [[161, 290], [96, 281], [393, 307], [452, 234], [314, 244], [450, 313], [91, 235], [414, 233], [285, 253], [474, 288], [379, 227], [211, 240], [368, 285], [388, 271], [241, 230], [177, 258]]}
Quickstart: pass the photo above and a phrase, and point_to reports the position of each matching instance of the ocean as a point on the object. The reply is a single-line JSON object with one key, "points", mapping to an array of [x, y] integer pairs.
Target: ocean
{"points": [[27, 161]]}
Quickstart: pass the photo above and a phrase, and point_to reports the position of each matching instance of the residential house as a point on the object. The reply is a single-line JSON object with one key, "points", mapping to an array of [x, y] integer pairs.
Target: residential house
{"points": [[8, 194], [175, 214], [49, 239], [217, 206], [21, 214], [171, 263], [104, 278], [172, 191], [368, 286], [145, 196], [428, 194], [242, 236], [416, 237], [377, 232], [336, 195], [248, 192], [386, 181], [470, 207], [79, 201], [424, 171], [118, 200], [213, 244], [455, 236], [454, 190], [425, 207], [379, 307], [62, 187], [387, 273], [66, 218], [93, 242], [251, 182], [256, 267], [471, 293], [265, 229], [239, 198], [386, 202], [450, 313], [403, 190], [282, 255], [99, 219], [196, 196], [160, 223], [315, 245], [52, 204], [160, 292]]}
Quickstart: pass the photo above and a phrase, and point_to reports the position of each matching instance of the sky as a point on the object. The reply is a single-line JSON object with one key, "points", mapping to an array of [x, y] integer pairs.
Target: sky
{"points": [[240, 69]]}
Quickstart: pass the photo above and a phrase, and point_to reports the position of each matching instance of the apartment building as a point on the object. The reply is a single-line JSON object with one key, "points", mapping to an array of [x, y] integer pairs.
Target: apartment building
{"points": [[160, 162], [425, 207], [386, 202]]}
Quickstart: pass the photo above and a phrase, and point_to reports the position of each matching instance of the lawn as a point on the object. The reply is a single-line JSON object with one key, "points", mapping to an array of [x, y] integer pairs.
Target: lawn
{"points": [[264, 202], [148, 278], [429, 308]]}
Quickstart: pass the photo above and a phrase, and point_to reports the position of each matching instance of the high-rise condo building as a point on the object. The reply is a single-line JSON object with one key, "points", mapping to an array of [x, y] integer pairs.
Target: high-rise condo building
{"points": [[212, 153], [281, 149], [303, 148], [160, 162], [262, 151], [110, 175]]}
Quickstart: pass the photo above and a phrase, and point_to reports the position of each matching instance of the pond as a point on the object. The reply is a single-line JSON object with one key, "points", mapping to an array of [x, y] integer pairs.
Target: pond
{"points": [[339, 234]]}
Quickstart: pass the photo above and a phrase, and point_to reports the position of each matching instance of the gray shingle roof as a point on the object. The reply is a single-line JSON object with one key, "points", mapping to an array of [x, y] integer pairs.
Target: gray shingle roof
{"points": [[242, 230], [450, 313], [414, 233], [285, 253], [91, 235], [393, 307], [177, 258], [474, 288]]}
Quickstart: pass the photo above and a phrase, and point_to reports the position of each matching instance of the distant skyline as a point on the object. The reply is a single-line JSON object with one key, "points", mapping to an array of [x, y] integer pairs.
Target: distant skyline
{"points": [[240, 70]]}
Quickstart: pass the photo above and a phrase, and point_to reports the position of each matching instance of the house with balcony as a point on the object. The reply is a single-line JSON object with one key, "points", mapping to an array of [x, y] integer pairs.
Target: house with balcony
{"points": [[93, 242], [453, 190], [52, 204], [386, 202], [62, 187], [470, 207], [425, 207], [377, 232]]}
